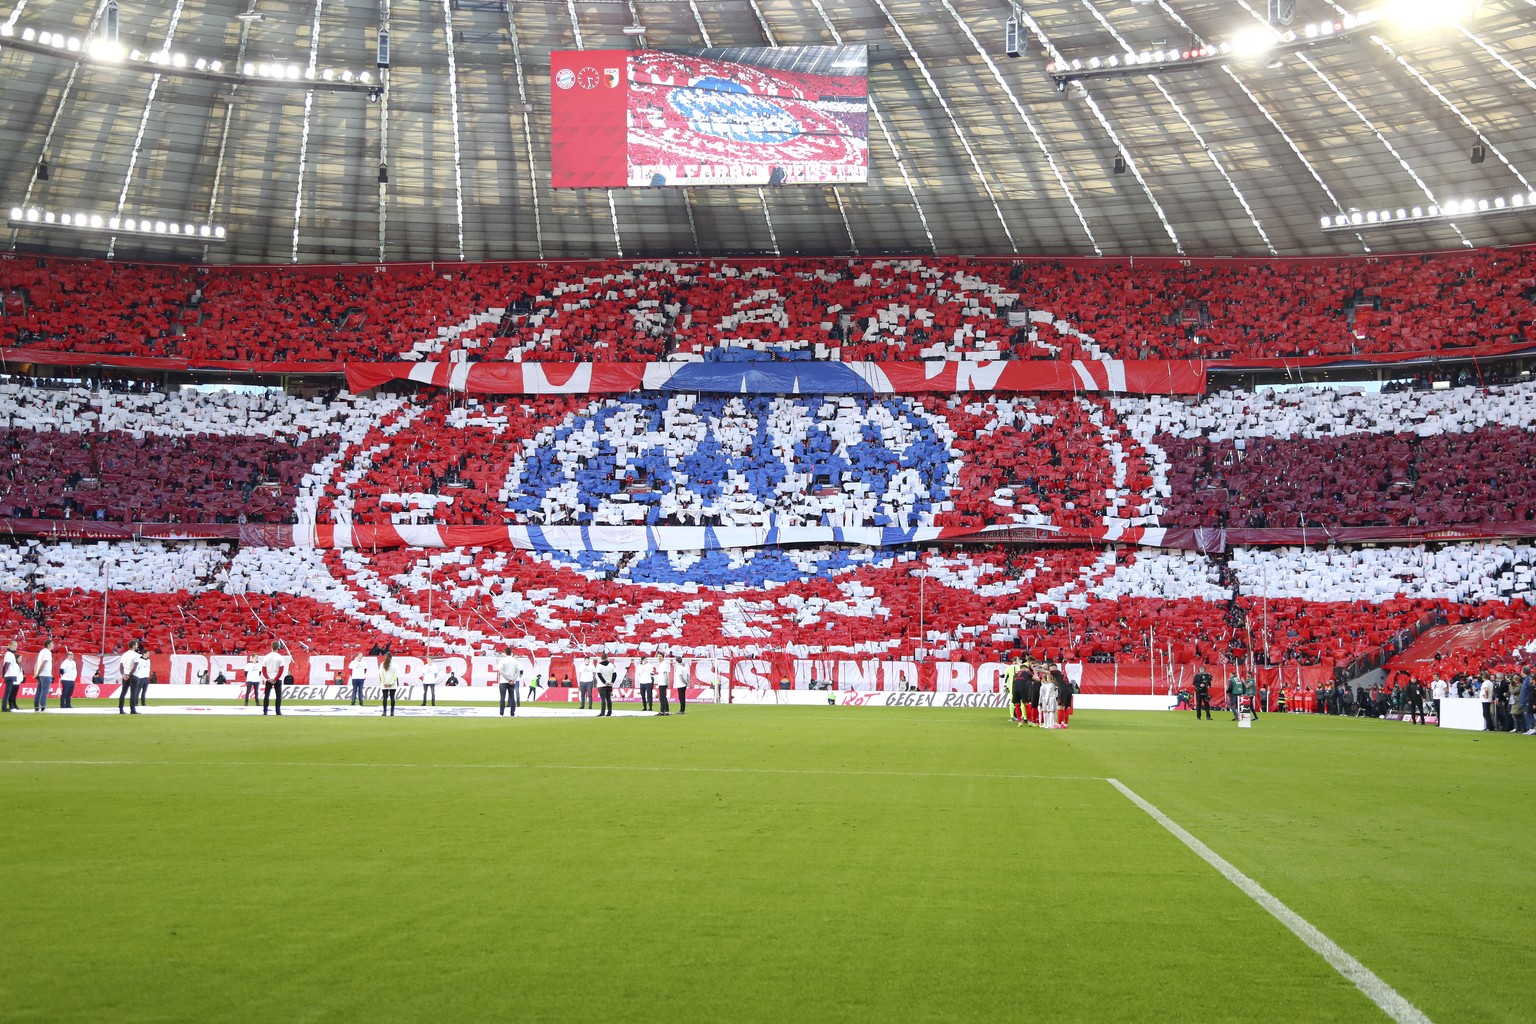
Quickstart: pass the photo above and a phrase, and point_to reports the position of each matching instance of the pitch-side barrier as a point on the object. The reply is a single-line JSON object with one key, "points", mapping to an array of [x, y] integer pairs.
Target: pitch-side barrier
{"points": [[748, 697]]}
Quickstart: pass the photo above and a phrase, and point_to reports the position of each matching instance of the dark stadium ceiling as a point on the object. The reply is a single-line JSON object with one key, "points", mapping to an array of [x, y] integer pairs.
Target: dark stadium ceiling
{"points": [[971, 151]]}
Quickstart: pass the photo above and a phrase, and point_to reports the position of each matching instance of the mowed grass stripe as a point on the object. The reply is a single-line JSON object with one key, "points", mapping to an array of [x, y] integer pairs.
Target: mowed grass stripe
{"points": [[708, 898]]}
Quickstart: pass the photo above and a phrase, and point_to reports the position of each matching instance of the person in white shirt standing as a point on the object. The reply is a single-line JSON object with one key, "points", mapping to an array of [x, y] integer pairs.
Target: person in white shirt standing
{"points": [[356, 670], [1049, 703], [607, 675], [663, 677], [429, 681], [585, 673], [645, 679], [10, 668], [68, 673], [252, 680], [141, 674], [508, 675], [680, 676], [127, 673], [273, 666], [42, 669]]}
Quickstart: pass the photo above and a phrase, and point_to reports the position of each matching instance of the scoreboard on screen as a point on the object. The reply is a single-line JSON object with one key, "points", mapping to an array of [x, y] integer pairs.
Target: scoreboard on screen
{"points": [[743, 116]]}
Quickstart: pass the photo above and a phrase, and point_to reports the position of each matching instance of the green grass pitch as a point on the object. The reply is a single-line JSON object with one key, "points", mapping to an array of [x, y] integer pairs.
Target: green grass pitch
{"points": [[754, 864]]}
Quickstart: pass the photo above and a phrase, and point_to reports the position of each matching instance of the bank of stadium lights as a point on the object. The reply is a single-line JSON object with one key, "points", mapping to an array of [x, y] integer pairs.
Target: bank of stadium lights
{"points": [[37, 217], [1452, 209], [108, 51], [281, 72], [1259, 41], [1251, 43]]}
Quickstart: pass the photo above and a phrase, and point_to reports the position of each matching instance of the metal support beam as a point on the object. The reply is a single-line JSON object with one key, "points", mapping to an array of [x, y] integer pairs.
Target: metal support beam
{"points": [[522, 99], [229, 117], [1270, 118], [309, 103], [138, 139], [58, 110], [853, 245], [453, 110], [384, 77], [1189, 126], [890, 140], [1029, 124], [1262, 17], [1446, 102], [613, 212], [954, 122], [1109, 130]]}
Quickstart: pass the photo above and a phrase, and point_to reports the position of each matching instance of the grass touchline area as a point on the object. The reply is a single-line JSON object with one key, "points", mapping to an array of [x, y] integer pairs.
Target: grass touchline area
{"points": [[753, 864]]}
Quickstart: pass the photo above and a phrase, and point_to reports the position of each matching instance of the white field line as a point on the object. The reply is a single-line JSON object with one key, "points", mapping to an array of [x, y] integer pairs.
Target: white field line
{"points": [[1377, 991]]}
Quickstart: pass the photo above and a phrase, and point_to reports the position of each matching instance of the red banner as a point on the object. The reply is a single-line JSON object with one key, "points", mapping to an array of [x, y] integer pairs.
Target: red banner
{"points": [[1137, 377], [1158, 377], [318, 676]]}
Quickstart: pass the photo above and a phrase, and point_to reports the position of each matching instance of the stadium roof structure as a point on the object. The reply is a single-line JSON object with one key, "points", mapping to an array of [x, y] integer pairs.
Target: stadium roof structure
{"points": [[271, 120]]}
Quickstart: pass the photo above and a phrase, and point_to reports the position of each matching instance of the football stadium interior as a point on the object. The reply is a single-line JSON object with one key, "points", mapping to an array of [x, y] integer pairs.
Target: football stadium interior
{"points": [[775, 354]]}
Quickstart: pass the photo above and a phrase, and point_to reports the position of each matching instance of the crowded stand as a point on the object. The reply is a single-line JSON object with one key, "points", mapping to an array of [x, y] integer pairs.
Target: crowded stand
{"points": [[189, 596], [280, 315], [94, 306], [114, 477], [174, 457], [1342, 457], [134, 566], [1239, 459], [849, 310], [74, 406], [1280, 607], [1102, 466], [1361, 480], [1311, 413], [206, 622], [1463, 574], [1096, 605], [670, 459]]}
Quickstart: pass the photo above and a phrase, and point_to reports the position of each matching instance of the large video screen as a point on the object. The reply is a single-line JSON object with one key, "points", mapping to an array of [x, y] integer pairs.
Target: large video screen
{"points": [[720, 116]]}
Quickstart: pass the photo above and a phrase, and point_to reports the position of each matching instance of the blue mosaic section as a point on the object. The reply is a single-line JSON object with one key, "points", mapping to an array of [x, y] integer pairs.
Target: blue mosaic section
{"points": [[701, 465], [726, 110]]}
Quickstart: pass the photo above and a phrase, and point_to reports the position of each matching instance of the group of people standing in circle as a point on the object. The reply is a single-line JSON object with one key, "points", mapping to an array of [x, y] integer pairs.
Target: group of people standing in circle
{"points": [[1040, 694]]}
